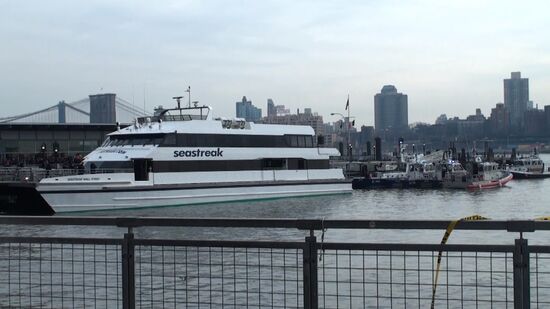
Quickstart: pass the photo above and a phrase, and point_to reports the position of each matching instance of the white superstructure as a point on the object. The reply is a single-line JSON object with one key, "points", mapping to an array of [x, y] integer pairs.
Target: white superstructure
{"points": [[178, 158]]}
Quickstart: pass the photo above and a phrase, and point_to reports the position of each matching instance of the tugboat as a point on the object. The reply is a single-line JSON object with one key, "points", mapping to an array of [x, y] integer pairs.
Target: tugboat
{"points": [[529, 168], [478, 175], [487, 175], [412, 171], [453, 175]]}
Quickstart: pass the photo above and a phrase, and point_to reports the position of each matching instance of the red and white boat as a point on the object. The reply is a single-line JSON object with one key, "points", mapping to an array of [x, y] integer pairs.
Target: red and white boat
{"points": [[478, 176], [488, 175]]}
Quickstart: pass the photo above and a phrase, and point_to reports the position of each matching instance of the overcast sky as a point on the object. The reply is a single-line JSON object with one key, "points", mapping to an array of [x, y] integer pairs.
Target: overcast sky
{"points": [[449, 57]]}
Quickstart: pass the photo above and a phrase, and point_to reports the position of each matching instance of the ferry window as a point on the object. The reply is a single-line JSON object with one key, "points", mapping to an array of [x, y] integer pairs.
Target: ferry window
{"points": [[150, 141], [110, 165], [301, 164], [280, 141], [241, 140], [191, 140], [138, 141], [106, 142], [293, 141], [301, 141], [119, 142], [169, 140], [273, 163]]}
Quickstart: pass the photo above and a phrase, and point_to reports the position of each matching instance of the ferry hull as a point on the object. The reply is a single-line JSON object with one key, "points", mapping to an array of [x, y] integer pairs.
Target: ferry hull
{"points": [[120, 198]]}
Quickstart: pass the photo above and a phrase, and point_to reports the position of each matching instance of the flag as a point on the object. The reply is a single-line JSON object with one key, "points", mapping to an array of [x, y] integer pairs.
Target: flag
{"points": [[347, 104], [353, 123]]}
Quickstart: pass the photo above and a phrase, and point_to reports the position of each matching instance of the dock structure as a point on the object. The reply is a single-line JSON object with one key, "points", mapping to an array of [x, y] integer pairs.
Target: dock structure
{"points": [[136, 270]]}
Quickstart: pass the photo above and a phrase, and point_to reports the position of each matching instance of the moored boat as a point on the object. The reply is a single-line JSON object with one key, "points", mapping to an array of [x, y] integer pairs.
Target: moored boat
{"points": [[478, 175], [487, 175], [531, 167], [183, 156]]}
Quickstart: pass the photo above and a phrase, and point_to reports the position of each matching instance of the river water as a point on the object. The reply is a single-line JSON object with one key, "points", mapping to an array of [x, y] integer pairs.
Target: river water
{"points": [[520, 199]]}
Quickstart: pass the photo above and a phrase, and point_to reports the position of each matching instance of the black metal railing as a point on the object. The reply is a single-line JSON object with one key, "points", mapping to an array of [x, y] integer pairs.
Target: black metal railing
{"points": [[145, 272]]}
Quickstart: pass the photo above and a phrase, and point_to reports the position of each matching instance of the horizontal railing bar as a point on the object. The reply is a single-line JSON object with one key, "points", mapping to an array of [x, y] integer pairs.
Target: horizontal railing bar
{"points": [[220, 243], [415, 247], [61, 240], [302, 224], [539, 249]]}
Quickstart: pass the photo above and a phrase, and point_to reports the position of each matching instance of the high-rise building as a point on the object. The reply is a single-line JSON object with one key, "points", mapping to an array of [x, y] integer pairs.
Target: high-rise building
{"points": [[305, 119], [516, 97], [271, 110], [547, 118], [499, 121], [246, 110], [535, 122], [390, 110], [103, 108]]}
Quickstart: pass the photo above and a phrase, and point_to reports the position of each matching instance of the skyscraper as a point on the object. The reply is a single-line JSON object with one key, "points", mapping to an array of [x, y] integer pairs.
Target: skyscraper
{"points": [[103, 108], [246, 110], [271, 110], [390, 109], [516, 97]]}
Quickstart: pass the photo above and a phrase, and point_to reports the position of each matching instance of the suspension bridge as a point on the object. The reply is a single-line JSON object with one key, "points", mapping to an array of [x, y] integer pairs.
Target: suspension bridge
{"points": [[77, 112]]}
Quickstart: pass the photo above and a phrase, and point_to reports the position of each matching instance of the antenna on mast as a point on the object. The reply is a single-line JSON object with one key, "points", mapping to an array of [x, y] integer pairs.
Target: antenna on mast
{"points": [[178, 99], [189, 90]]}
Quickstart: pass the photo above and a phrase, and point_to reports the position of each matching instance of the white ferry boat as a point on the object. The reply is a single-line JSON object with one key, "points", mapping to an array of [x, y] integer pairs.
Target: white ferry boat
{"points": [[184, 156]]}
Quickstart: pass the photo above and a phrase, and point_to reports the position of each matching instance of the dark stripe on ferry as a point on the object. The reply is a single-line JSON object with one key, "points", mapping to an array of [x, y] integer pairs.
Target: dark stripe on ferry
{"points": [[218, 165], [237, 165], [212, 140], [243, 184]]}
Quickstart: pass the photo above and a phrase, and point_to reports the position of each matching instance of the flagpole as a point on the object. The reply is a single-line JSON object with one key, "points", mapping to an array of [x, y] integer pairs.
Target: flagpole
{"points": [[349, 131]]}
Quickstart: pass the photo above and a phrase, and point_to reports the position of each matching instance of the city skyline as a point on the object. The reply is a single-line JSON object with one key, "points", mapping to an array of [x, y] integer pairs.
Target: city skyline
{"points": [[65, 51]]}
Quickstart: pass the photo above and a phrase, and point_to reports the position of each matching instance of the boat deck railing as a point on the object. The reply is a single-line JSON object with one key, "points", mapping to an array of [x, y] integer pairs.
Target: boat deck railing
{"points": [[136, 263], [32, 175]]}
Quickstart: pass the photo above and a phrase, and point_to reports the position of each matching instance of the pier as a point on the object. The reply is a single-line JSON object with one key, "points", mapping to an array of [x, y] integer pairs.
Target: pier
{"points": [[144, 268]]}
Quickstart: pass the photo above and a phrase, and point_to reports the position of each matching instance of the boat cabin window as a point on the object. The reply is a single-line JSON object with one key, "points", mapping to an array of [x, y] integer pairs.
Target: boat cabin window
{"points": [[133, 140], [91, 166], [240, 140], [292, 140], [274, 163]]}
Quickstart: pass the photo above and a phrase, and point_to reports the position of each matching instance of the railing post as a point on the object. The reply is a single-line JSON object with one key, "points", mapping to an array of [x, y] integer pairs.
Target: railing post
{"points": [[522, 286], [128, 271], [310, 272]]}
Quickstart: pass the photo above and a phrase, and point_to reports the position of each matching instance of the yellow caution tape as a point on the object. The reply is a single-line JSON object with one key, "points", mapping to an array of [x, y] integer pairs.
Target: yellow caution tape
{"points": [[542, 219], [448, 232]]}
